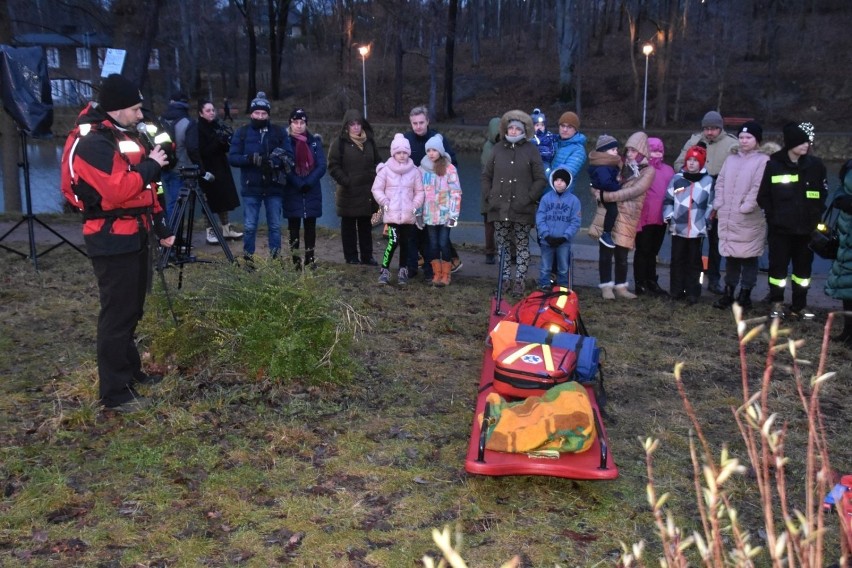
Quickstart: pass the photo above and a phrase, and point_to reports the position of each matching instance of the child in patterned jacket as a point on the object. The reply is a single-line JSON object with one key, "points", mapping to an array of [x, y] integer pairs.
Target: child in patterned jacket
{"points": [[687, 208], [441, 207]]}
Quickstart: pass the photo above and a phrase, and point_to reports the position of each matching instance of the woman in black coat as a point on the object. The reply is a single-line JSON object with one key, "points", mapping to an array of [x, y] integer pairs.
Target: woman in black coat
{"points": [[352, 161], [208, 147]]}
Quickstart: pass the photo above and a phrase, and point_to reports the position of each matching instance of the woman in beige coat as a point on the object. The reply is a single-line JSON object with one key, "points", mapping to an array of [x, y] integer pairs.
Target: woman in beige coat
{"points": [[637, 178]]}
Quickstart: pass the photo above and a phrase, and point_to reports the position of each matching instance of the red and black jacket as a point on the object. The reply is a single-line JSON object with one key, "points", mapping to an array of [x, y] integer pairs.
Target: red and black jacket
{"points": [[115, 180]]}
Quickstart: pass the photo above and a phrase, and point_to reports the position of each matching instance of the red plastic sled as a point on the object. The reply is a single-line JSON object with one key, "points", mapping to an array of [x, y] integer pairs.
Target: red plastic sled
{"points": [[596, 463]]}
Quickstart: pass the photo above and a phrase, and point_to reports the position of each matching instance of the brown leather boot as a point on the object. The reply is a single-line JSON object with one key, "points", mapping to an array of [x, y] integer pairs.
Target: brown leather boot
{"points": [[436, 273]]}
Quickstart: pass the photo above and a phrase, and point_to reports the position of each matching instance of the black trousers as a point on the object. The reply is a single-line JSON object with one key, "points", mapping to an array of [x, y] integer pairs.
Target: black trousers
{"points": [[356, 232], [648, 243], [714, 259], [122, 284], [606, 258], [310, 236], [686, 267], [783, 250], [741, 271]]}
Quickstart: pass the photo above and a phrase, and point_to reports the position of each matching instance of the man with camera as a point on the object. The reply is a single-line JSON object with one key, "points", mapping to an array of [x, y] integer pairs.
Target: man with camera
{"points": [[264, 155], [115, 181]]}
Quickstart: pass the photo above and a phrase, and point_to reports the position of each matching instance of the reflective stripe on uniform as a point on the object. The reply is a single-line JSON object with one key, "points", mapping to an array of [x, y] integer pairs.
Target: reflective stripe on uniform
{"points": [[785, 178], [780, 282], [803, 282], [812, 194]]}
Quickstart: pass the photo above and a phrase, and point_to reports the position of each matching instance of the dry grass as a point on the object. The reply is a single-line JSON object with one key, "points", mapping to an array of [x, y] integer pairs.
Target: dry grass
{"points": [[231, 470]]}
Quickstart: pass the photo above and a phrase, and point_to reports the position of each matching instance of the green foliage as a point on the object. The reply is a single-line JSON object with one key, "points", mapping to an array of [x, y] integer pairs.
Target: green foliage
{"points": [[269, 322]]}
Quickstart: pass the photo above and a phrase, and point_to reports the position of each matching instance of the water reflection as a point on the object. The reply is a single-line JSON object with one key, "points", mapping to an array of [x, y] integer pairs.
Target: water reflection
{"points": [[45, 158]]}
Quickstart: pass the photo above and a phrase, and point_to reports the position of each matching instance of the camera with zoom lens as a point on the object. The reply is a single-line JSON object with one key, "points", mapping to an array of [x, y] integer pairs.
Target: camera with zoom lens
{"points": [[189, 172], [280, 160]]}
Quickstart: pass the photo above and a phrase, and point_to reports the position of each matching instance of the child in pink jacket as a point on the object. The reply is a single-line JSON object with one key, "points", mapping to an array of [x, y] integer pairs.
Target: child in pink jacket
{"points": [[398, 189]]}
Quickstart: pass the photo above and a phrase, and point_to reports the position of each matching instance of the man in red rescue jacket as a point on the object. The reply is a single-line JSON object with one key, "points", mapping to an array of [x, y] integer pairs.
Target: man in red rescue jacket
{"points": [[114, 180]]}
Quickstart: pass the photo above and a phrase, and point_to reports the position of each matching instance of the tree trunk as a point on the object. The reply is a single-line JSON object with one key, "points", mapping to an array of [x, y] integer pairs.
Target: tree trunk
{"points": [[399, 80], [475, 24], [245, 8], [9, 136], [449, 56], [566, 45], [277, 12], [135, 27]]}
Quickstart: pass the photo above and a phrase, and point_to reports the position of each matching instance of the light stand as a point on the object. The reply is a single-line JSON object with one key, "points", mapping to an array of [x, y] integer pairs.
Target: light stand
{"points": [[29, 218], [647, 49], [364, 50]]}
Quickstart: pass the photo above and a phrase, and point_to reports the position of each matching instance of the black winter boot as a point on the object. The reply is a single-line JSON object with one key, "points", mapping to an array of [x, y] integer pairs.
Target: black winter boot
{"points": [[726, 300], [640, 287], [744, 299], [654, 288]]}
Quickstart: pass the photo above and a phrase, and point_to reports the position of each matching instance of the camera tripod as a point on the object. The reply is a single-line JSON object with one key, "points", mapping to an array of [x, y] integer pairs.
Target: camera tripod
{"points": [[181, 224]]}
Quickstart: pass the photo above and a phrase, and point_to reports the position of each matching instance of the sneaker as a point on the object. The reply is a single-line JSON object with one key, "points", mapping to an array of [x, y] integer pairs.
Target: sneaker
{"points": [[402, 277], [490, 259], [457, 265], [606, 240], [229, 232], [134, 405], [384, 276], [211, 237]]}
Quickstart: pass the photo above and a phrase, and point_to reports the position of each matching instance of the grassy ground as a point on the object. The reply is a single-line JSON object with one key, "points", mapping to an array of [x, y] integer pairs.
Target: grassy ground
{"points": [[234, 468]]}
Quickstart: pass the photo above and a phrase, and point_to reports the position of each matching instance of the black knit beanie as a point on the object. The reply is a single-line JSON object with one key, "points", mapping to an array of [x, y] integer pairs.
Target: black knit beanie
{"points": [[797, 134], [118, 93]]}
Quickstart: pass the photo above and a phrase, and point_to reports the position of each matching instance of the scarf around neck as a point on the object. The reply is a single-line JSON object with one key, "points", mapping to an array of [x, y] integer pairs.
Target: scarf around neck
{"points": [[304, 156], [359, 140]]}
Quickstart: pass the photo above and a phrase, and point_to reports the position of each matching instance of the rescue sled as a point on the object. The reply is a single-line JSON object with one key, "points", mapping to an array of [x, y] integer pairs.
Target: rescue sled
{"points": [[596, 463]]}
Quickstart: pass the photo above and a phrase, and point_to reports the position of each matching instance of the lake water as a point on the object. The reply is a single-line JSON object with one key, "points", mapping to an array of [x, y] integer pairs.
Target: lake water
{"points": [[44, 180], [45, 157]]}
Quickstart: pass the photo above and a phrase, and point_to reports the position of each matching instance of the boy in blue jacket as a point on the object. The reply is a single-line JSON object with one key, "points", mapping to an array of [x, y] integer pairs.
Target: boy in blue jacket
{"points": [[557, 220]]}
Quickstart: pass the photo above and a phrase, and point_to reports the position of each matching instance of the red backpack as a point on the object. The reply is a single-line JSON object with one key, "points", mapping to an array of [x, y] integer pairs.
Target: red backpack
{"points": [[556, 311]]}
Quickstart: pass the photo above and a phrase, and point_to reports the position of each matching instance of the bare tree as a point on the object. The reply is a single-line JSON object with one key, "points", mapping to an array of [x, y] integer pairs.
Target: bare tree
{"points": [[246, 9], [135, 27], [567, 36], [277, 11], [449, 57]]}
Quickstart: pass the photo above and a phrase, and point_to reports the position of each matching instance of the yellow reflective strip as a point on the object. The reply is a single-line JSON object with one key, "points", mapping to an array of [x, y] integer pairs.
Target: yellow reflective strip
{"points": [[563, 299], [548, 357], [780, 282], [509, 359], [804, 282], [162, 138], [785, 178], [812, 194], [128, 146]]}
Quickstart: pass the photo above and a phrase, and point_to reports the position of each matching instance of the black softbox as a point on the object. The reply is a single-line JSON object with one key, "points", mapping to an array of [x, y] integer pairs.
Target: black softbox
{"points": [[25, 88]]}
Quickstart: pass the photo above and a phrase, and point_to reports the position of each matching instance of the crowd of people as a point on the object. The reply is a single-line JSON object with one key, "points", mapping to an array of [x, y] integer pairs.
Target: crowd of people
{"points": [[735, 192]]}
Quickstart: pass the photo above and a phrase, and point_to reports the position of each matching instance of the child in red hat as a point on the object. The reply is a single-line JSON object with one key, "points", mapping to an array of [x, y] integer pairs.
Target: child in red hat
{"points": [[686, 208]]}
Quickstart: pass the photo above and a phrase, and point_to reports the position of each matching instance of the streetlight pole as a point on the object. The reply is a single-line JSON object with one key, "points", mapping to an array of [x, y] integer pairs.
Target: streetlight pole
{"points": [[647, 49], [364, 50]]}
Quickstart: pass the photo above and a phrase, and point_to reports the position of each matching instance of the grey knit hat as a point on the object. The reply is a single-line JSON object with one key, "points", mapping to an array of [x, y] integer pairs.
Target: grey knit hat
{"points": [[713, 120], [605, 142], [437, 143]]}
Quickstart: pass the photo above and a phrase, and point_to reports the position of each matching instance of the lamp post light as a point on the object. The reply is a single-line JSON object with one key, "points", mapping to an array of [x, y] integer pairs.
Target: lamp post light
{"points": [[364, 50], [647, 49]]}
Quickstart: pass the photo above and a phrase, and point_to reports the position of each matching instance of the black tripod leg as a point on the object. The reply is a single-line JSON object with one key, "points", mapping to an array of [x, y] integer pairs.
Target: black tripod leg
{"points": [[175, 222], [217, 230]]}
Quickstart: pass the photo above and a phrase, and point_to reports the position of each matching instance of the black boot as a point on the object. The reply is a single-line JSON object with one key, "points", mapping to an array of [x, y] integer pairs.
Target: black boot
{"points": [[640, 287], [654, 288], [726, 300], [744, 299]]}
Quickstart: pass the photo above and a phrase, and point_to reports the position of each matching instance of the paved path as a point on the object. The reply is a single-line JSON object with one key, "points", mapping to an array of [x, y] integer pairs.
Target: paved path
{"points": [[468, 237]]}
